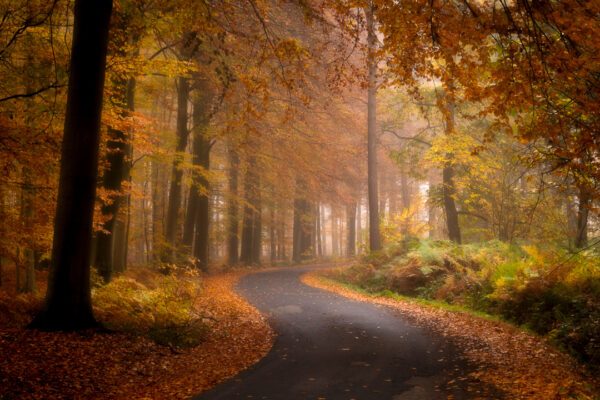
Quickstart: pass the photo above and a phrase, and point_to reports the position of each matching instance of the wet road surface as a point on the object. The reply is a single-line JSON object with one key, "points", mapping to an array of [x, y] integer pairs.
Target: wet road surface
{"points": [[332, 347]]}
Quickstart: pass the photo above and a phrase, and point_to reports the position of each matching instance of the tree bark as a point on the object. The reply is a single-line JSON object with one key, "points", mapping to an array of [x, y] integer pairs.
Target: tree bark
{"points": [[319, 244], [374, 229], [183, 92], [449, 204], [351, 226], [251, 225], [233, 219], [68, 299], [581, 239], [405, 203]]}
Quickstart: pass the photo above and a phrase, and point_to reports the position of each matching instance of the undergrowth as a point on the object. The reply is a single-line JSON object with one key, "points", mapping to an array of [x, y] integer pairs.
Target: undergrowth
{"points": [[161, 307], [547, 291]]}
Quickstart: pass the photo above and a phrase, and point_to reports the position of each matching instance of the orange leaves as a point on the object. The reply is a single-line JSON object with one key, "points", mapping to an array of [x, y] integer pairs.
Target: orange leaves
{"points": [[520, 364], [109, 365]]}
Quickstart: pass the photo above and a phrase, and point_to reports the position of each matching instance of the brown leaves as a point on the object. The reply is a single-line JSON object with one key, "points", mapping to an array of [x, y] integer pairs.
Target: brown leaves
{"points": [[518, 363], [112, 365]]}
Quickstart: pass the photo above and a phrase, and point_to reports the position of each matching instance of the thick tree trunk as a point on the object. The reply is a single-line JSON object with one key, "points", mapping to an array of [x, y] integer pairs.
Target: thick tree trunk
{"points": [[232, 214], [183, 92], [374, 230], [351, 224], [68, 299], [200, 184]]}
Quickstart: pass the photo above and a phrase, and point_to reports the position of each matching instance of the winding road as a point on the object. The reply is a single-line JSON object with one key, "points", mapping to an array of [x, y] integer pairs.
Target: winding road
{"points": [[332, 347]]}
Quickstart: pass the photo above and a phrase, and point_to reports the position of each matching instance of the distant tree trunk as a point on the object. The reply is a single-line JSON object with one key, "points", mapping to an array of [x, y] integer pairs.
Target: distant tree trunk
{"points": [[257, 229], [233, 222], [405, 202], [272, 242], [351, 224], [251, 226], [27, 214], [319, 244], [581, 239], [183, 92], [68, 299], [449, 204], [359, 223], [303, 238], [297, 231], [374, 230]]}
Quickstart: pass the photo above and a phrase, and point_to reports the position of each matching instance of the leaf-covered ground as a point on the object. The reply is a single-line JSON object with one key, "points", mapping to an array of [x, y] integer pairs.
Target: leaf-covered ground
{"points": [[105, 365], [518, 363]]}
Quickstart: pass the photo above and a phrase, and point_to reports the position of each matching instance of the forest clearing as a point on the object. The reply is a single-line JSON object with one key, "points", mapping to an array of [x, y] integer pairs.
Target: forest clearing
{"points": [[293, 199]]}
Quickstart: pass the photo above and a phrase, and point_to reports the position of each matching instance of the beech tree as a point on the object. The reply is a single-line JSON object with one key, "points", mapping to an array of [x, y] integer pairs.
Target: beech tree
{"points": [[68, 300]]}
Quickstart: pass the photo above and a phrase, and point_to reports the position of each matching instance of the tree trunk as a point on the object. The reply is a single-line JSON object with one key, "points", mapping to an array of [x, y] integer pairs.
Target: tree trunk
{"points": [[233, 219], [183, 92], [200, 184], [319, 244], [449, 204], [251, 221], [272, 243], [68, 299], [405, 203], [351, 224], [374, 230], [581, 239], [359, 224]]}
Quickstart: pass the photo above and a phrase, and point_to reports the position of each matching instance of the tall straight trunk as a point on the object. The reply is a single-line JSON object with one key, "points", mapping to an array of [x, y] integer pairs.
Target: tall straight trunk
{"points": [[27, 214], [359, 223], [200, 184], [251, 221], [257, 229], [351, 226], [272, 242], [374, 230], [297, 231], [449, 189], [183, 92], [303, 229], [68, 298], [232, 214], [334, 243], [581, 239], [405, 203], [323, 233], [319, 244]]}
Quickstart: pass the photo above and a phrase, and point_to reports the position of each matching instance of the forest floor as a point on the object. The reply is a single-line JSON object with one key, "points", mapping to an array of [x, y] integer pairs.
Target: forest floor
{"points": [[522, 365], [102, 364]]}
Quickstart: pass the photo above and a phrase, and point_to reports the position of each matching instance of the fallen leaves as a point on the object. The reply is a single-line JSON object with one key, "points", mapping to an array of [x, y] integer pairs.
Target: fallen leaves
{"points": [[113, 365], [520, 364]]}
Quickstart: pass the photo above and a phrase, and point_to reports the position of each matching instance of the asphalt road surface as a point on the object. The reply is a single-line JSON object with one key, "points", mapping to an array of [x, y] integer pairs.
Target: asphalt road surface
{"points": [[332, 347]]}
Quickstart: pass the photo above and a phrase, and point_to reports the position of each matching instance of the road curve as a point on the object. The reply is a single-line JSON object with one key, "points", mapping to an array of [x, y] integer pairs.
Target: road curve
{"points": [[332, 347]]}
